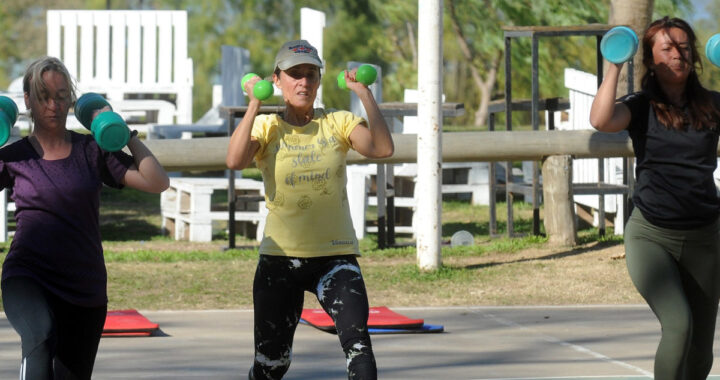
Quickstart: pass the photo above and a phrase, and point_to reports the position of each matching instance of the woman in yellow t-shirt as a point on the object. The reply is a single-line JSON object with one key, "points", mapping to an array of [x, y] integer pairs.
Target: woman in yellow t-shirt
{"points": [[309, 242]]}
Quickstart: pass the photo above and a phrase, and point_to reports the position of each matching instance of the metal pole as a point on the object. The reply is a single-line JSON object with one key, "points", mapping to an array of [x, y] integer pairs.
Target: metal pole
{"points": [[508, 127], [380, 196], [231, 193], [429, 157], [535, 126], [390, 207], [492, 230]]}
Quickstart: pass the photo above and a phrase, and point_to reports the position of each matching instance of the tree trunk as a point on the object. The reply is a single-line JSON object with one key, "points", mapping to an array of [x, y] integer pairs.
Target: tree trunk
{"points": [[559, 205], [486, 86], [636, 14]]}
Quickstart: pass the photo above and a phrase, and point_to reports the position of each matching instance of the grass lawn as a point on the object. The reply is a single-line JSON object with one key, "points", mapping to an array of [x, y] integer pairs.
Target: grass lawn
{"points": [[153, 272]]}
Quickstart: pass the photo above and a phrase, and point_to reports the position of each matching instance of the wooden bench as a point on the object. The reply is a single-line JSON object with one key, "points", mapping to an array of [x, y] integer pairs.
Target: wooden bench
{"points": [[188, 211]]}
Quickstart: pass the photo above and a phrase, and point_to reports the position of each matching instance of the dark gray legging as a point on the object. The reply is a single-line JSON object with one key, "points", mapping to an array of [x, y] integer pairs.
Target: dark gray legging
{"points": [[678, 274], [278, 295], [59, 340]]}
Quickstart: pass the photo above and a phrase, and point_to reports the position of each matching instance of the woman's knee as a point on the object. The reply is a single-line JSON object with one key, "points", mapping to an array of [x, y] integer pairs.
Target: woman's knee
{"points": [[270, 366], [360, 359], [678, 321], [36, 329]]}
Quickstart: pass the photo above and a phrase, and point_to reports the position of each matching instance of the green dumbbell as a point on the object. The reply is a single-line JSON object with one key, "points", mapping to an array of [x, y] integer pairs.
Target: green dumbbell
{"points": [[8, 117], [365, 74], [262, 90], [108, 128]]}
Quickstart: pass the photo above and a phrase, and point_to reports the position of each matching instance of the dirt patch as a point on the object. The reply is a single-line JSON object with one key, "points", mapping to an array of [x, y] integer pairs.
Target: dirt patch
{"points": [[593, 274]]}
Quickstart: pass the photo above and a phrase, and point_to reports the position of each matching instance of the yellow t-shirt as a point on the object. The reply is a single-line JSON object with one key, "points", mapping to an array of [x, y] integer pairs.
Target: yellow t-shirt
{"points": [[303, 170]]}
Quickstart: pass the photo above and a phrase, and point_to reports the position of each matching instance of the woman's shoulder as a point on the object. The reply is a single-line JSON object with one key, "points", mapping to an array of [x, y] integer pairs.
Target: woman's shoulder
{"points": [[84, 140], [267, 117], [331, 112], [80, 137], [16, 150], [715, 96], [266, 121], [635, 97], [336, 116]]}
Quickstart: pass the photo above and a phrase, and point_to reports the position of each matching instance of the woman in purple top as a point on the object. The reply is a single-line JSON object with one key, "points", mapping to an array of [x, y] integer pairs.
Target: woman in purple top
{"points": [[54, 278]]}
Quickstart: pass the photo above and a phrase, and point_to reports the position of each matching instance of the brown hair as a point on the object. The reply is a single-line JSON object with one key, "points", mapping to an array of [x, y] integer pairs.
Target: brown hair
{"points": [[701, 110], [33, 84]]}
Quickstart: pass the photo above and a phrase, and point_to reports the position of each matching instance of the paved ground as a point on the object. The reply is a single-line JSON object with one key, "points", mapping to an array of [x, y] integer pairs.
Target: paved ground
{"points": [[601, 342]]}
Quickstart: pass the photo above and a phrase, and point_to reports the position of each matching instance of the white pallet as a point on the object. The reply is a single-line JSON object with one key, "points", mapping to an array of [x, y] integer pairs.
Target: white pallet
{"points": [[186, 207]]}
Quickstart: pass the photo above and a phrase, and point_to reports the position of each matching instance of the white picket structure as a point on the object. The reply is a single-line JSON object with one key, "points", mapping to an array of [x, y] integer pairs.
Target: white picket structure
{"points": [[312, 25], [582, 88], [117, 52]]}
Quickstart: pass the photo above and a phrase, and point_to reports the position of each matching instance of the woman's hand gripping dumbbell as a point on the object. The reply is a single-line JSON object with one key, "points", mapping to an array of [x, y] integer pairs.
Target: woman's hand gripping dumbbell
{"points": [[108, 128], [8, 117], [261, 89]]}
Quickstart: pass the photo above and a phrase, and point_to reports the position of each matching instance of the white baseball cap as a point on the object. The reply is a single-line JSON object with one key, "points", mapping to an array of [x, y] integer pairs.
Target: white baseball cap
{"points": [[297, 52]]}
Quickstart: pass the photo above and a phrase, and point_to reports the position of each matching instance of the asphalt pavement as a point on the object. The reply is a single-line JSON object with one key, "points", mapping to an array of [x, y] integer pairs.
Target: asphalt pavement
{"points": [[569, 342]]}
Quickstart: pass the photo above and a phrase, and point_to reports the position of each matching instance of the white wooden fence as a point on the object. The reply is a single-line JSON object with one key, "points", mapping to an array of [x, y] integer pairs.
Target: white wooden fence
{"points": [[125, 52], [582, 88]]}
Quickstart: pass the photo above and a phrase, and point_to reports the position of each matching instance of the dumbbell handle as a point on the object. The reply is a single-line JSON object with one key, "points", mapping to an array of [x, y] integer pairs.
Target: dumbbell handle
{"points": [[86, 105]]}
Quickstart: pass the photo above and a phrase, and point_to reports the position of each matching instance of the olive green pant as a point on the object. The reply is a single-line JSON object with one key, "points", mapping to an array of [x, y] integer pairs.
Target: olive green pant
{"points": [[678, 274]]}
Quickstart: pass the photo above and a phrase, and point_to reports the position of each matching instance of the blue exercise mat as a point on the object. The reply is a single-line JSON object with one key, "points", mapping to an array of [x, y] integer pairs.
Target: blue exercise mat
{"points": [[422, 330]]}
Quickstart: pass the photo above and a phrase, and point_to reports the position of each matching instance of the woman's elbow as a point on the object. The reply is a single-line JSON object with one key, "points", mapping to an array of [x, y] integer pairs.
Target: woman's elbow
{"points": [[159, 185], [597, 122], [388, 152], [234, 163], [164, 185], [379, 151]]}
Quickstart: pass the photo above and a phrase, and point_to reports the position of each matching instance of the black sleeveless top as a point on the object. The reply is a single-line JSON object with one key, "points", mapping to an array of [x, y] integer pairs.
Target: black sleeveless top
{"points": [[674, 170]]}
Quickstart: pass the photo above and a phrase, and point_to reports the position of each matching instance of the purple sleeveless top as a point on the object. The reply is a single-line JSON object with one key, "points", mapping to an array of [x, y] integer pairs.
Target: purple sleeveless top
{"points": [[57, 238]]}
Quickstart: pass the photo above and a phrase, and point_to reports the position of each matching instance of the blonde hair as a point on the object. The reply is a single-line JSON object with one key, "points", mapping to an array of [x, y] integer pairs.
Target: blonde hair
{"points": [[34, 86]]}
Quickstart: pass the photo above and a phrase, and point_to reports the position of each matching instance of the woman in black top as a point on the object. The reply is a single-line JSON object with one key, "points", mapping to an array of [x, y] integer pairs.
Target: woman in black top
{"points": [[671, 240]]}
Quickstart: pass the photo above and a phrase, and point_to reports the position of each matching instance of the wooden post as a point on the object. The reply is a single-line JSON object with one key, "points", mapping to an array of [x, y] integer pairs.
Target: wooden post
{"points": [[558, 196], [209, 153]]}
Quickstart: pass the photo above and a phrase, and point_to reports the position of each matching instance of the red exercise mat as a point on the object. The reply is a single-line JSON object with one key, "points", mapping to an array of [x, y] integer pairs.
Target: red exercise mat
{"points": [[379, 317], [127, 323]]}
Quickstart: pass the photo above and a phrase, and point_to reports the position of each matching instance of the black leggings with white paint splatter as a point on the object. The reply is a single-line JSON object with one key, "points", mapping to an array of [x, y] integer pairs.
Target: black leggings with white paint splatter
{"points": [[278, 294]]}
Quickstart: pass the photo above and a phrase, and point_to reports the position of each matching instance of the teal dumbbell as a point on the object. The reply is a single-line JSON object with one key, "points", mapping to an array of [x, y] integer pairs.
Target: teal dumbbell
{"points": [[108, 128], [712, 49], [619, 44], [8, 117], [365, 74], [262, 90]]}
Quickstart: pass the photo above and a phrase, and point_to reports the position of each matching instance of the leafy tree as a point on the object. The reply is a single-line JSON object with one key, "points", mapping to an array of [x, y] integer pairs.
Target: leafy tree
{"points": [[704, 28], [23, 35], [477, 28]]}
